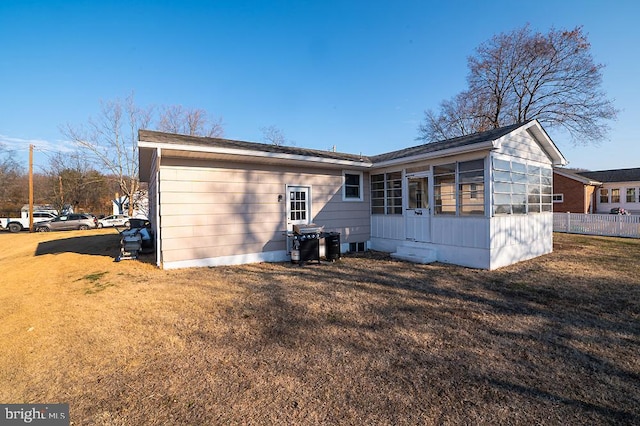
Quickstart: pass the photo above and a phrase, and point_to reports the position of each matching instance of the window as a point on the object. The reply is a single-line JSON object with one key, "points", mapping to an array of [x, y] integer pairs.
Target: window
{"points": [[631, 195], [357, 247], [377, 194], [615, 195], [444, 189], [471, 187], [352, 187], [521, 188], [546, 189], [393, 183], [604, 195], [558, 198], [459, 188], [386, 193], [418, 193], [298, 204]]}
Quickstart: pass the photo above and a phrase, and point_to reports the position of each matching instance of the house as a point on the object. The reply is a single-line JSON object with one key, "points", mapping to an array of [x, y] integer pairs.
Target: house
{"points": [[120, 204], [573, 192], [619, 188], [483, 200]]}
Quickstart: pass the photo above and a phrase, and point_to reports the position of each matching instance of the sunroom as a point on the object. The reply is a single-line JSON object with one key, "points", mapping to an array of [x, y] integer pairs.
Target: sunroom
{"points": [[483, 201]]}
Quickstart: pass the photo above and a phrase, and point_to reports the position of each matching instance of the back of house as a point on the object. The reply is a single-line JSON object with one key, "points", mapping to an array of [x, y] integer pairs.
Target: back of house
{"points": [[483, 200]]}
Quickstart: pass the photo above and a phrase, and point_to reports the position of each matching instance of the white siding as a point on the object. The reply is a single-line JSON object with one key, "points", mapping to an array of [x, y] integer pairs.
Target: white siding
{"points": [[515, 238], [523, 145], [480, 242], [633, 207], [463, 231], [387, 226]]}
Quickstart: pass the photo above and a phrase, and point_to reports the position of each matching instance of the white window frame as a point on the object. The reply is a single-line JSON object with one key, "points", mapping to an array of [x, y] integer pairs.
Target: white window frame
{"points": [[308, 202], [635, 194], [344, 185], [601, 195], [559, 196]]}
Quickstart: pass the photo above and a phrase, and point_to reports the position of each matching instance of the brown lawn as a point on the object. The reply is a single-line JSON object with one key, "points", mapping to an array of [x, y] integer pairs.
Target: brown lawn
{"points": [[367, 340]]}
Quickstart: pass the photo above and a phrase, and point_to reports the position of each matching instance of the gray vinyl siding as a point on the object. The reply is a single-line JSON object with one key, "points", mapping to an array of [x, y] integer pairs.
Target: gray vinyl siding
{"points": [[214, 209]]}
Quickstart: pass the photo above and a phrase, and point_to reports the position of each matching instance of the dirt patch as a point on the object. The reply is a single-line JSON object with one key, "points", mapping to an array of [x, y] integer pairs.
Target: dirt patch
{"points": [[364, 340]]}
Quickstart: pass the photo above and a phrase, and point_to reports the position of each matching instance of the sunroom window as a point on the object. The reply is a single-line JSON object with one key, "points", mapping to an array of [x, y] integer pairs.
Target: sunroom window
{"points": [[519, 188], [444, 189], [458, 188], [471, 187], [386, 193]]}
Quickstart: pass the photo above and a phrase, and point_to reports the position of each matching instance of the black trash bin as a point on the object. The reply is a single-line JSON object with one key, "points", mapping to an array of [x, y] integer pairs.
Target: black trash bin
{"points": [[332, 246]]}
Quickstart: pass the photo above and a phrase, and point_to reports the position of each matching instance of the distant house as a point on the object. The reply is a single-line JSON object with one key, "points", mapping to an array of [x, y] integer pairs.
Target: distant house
{"points": [[619, 188], [483, 200], [141, 204], [573, 192]]}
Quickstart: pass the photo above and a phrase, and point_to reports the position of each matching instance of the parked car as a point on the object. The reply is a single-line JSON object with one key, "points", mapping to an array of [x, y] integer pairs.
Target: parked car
{"points": [[114, 220], [18, 224], [67, 222], [618, 210]]}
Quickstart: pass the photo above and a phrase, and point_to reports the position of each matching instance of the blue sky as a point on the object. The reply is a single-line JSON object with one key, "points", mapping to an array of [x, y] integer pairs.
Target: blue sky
{"points": [[354, 74]]}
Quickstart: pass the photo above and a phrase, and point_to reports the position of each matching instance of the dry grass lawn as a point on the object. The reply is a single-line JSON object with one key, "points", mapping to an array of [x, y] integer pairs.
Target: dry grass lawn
{"points": [[367, 340]]}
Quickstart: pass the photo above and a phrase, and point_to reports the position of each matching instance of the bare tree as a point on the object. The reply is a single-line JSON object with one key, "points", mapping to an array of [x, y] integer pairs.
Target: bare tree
{"points": [[461, 115], [523, 75], [273, 135], [73, 181], [13, 182], [193, 122], [110, 140]]}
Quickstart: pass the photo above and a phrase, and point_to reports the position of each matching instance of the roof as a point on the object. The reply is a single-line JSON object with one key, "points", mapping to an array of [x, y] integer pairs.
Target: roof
{"points": [[461, 141], [233, 150], [619, 175], [574, 174], [194, 141]]}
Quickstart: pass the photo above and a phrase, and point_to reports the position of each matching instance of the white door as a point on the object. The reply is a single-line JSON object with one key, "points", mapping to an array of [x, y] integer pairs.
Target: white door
{"points": [[298, 206], [417, 214]]}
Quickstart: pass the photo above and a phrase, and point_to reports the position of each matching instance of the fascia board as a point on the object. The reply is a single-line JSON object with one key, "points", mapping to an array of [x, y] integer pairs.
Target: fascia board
{"points": [[543, 139]]}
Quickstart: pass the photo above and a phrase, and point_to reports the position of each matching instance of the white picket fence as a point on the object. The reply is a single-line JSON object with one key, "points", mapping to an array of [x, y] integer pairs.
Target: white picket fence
{"points": [[611, 225]]}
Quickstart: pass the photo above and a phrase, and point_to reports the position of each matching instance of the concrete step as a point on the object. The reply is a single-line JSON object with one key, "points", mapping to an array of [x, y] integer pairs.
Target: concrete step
{"points": [[415, 254]]}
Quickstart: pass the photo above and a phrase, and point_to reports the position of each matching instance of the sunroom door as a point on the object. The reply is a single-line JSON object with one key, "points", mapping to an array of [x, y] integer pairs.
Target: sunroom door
{"points": [[417, 214]]}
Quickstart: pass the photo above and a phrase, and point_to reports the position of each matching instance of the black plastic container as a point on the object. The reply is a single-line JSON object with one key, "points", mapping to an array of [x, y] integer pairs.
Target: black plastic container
{"points": [[332, 246]]}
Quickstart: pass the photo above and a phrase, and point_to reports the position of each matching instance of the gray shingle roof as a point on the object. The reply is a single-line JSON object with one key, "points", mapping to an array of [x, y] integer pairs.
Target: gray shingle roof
{"points": [[619, 175], [175, 139], [489, 135], [575, 175]]}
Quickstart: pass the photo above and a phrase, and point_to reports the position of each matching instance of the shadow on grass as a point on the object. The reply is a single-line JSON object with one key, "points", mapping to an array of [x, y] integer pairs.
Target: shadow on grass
{"points": [[545, 342], [95, 245]]}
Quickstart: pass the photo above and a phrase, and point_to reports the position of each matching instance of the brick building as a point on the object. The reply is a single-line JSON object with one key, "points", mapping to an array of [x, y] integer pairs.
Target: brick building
{"points": [[573, 192]]}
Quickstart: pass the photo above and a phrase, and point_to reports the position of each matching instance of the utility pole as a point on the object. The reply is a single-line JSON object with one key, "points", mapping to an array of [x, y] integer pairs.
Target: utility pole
{"points": [[30, 188], [61, 194]]}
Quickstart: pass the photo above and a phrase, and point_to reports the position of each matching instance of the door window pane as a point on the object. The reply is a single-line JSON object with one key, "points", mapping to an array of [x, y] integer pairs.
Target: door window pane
{"points": [[418, 195]]}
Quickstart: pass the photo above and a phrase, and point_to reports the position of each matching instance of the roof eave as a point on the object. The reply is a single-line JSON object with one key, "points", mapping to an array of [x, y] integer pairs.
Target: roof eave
{"points": [[578, 178], [258, 155], [481, 146], [557, 159]]}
